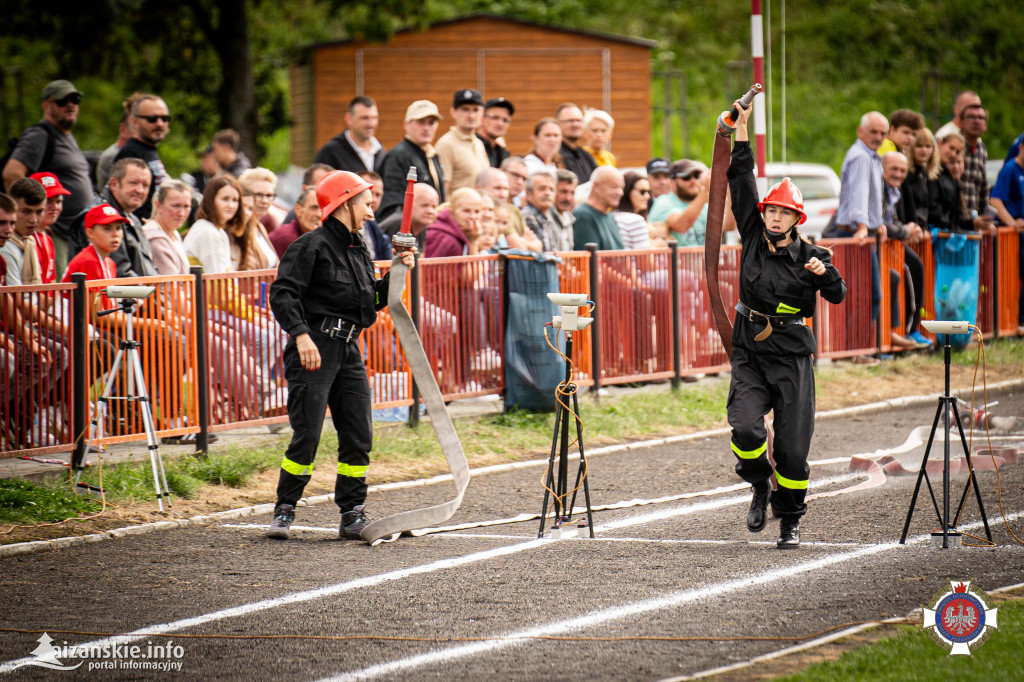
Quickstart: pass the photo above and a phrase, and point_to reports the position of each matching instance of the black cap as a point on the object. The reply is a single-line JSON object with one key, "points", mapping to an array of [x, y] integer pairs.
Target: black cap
{"points": [[467, 97], [500, 102], [658, 165]]}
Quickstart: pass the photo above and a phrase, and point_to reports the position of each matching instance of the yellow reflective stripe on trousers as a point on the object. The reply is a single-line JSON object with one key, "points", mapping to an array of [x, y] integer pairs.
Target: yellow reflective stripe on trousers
{"points": [[295, 468], [351, 470], [789, 483], [750, 454]]}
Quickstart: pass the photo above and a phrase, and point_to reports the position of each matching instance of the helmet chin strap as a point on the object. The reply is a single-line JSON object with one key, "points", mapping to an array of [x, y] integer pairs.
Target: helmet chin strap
{"points": [[776, 237]]}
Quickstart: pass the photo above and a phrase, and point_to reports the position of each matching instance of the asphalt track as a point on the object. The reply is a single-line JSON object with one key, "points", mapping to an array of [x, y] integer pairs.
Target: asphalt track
{"points": [[496, 602]]}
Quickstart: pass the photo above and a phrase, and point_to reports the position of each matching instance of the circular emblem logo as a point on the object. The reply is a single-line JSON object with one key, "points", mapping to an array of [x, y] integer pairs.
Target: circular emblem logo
{"points": [[959, 618]]}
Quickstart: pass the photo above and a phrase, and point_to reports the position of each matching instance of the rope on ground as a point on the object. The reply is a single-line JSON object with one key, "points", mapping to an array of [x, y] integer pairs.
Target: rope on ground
{"points": [[980, 359], [443, 640]]}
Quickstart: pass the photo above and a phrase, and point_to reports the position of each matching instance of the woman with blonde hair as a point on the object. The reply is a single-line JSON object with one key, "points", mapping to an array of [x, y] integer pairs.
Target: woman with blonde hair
{"points": [[598, 126], [251, 248], [923, 165]]}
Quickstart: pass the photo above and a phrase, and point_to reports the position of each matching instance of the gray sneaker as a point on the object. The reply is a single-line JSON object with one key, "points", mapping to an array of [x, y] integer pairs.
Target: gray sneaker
{"points": [[279, 526], [352, 523]]}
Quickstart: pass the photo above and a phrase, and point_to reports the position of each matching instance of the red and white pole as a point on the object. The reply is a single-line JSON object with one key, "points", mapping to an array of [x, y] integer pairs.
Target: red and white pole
{"points": [[757, 51]]}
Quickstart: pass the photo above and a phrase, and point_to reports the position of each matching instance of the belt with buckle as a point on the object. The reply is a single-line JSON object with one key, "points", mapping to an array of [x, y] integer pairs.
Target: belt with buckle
{"points": [[337, 328], [780, 320]]}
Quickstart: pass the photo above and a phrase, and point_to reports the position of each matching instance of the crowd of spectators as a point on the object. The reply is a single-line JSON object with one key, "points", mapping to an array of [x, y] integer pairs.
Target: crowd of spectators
{"points": [[473, 195]]}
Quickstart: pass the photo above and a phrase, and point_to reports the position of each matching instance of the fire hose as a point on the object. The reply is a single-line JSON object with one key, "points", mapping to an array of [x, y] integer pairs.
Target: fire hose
{"points": [[713, 236], [393, 526]]}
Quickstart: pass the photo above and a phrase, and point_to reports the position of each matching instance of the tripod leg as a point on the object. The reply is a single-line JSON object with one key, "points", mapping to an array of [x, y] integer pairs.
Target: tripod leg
{"points": [[584, 468], [973, 481], [921, 474], [155, 460], [550, 482], [101, 408]]}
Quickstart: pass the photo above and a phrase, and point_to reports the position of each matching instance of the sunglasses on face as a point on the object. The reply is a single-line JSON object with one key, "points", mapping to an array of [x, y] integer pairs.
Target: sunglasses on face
{"points": [[74, 98], [644, 191], [154, 119], [689, 176]]}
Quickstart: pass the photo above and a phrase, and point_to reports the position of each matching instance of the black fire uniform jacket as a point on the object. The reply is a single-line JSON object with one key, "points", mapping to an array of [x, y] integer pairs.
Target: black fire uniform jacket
{"points": [[774, 283]]}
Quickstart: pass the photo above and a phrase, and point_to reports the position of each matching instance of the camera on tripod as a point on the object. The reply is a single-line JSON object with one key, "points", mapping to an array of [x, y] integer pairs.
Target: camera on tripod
{"points": [[128, 291], [570, 319]]}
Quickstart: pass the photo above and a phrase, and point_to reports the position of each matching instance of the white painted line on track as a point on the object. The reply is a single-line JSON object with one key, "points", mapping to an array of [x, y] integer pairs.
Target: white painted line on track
{"points": [[374, 580], [616, 613]]}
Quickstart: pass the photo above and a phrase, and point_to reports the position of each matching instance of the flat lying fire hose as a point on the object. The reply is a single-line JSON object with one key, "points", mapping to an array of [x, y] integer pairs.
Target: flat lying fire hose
{"points": [[390, 527]]}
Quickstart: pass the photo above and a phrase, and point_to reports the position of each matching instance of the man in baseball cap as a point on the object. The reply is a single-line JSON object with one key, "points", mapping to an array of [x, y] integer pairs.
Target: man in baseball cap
{"points": [[685, 209], [658, 170], [498, 113], [421, 119], [59, 89], [49, 146], [463, 155]]}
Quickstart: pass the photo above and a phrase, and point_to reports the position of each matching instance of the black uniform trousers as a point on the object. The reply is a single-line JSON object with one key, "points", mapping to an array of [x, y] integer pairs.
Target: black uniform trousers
{"points": [[341, 384], [785, 384]]}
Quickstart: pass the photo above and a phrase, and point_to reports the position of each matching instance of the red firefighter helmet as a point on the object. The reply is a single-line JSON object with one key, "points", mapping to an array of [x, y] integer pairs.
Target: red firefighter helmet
{"points": [[337, 187], [786, 195]]}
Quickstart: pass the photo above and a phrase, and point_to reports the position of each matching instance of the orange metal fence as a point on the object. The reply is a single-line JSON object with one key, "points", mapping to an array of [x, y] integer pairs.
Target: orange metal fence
{"points": [[460, 310], [164, 326], [701, 347], [574, 278], [635, 308], [36, 349], [245, 346], [1008, 284], [845, 330]]}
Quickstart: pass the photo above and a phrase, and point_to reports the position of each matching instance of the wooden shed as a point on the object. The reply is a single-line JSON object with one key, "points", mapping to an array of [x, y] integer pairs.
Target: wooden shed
{"points": [[534, 66]]}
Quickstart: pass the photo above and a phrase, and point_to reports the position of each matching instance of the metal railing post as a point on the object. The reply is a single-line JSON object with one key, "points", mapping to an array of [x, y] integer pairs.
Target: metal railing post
{"points": [[202, 372], [79, 360], [677, 357], [595, 329]]}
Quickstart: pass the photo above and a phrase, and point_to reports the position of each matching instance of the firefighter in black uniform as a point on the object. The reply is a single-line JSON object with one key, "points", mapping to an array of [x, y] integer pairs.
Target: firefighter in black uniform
{"points": [[780, 275], [324, 296]]}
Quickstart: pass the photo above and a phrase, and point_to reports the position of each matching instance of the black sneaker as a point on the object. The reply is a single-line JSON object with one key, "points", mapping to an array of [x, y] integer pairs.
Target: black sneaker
{"points": [[279, 526], [352, 524]]}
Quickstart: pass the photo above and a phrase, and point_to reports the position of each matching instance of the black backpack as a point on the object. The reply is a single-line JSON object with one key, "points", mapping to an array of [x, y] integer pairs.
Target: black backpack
{"points": [[47, 155]]}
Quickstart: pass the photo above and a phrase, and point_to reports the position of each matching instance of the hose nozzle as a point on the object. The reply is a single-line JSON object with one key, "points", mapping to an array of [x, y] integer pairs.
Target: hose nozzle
{"points": [[727, 121]]}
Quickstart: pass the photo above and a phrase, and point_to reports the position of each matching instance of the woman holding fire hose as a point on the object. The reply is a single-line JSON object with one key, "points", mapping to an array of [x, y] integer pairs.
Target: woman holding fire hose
{"points": [[324, 296], [780, 276]]}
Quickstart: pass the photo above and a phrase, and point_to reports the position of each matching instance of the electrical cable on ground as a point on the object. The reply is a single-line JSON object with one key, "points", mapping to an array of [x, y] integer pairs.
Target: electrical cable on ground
{"points": [[444, 640], [980, 359]]}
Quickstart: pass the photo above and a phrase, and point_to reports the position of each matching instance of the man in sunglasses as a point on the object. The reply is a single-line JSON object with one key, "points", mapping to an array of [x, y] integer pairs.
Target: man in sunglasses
{"points": [[685, 209], [49, 146], [150, 121]]}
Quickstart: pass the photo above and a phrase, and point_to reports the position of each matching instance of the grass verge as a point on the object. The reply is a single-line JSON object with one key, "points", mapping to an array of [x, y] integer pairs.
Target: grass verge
{"points": [[913, 655]]}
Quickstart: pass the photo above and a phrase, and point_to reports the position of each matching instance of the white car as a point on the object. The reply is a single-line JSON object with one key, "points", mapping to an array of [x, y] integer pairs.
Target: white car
{"points": [[820, 186]]}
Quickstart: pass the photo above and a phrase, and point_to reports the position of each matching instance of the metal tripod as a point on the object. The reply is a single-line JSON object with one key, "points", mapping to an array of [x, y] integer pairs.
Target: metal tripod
{"points": [[559, 486], [947, 404], [135, 382]]}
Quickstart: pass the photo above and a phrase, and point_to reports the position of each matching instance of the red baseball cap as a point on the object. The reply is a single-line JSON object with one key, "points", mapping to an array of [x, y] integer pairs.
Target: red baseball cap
{"points": [[104, 214], [51, 183]]}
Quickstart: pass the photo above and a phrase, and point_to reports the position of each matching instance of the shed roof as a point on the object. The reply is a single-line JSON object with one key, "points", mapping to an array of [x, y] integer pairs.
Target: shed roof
{"points": [[640, 42]]}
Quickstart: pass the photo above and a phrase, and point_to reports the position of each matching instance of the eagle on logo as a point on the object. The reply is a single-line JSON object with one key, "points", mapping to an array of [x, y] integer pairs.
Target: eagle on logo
{"points": [[959, 618]]}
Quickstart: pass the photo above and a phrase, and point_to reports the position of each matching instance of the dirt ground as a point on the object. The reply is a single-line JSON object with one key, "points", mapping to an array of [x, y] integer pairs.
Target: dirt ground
{"points": [[859, 385]]}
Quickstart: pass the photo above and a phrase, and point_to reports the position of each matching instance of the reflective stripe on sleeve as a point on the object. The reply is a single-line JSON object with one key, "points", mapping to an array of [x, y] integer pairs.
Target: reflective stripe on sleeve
{"points": [[750, 454], [295, 468], [789, 483], [351, 470]]}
